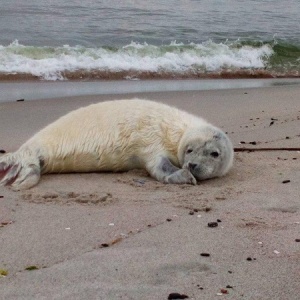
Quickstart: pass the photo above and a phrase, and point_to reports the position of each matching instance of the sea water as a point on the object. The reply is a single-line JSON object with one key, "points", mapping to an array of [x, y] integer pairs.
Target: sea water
{"points": [[98, 39]]}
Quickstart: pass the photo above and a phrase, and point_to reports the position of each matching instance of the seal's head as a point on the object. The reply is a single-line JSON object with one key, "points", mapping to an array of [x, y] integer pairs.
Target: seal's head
{"points": [[206, 151]]}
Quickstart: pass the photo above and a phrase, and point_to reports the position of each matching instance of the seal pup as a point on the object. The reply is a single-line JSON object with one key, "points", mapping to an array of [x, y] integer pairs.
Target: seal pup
{"points": [[172, 145]]}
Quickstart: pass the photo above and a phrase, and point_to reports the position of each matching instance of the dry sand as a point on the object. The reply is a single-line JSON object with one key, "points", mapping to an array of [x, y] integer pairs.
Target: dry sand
{"points": [[126, 236]]}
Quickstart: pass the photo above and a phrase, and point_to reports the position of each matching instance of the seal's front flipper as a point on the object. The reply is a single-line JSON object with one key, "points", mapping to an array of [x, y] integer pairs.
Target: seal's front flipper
{"points": [[181, 176], [164, 171]]}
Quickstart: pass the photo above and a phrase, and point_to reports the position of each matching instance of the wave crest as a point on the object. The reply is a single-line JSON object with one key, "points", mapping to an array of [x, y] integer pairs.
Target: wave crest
{"points": [[137, 60]]}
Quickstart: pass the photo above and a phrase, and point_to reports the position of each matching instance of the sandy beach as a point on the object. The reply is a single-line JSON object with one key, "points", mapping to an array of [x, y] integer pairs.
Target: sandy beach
{"points": [[126, 236]]}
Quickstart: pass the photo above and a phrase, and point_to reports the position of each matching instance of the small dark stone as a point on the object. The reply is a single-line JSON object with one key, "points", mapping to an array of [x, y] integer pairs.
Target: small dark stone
{"points": [[245, 93], [169, 220], [230, 272], [294, 158], [140, 181], [31, 268], [219, 221], [2, 151], [286, 181], [242, 142], [104, 245], [287, 137], [205, 254], [271, 123], [252, 143], [229, 286], [1, 196], [196, 210], [177, 296], [149, 225], [212, 224], [191, 213], [19, 100], [249, 258], [297, 240]]}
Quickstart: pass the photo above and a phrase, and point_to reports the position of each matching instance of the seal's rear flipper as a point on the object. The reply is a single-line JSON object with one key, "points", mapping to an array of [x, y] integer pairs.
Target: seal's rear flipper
{"points": [[20, 170]]}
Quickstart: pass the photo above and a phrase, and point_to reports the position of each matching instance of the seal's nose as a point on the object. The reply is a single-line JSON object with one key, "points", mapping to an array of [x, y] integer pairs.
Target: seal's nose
{"points": [[192, 166]]}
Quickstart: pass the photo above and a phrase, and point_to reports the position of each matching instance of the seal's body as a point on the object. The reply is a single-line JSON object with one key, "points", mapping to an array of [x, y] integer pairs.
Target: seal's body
{"points": [[172, 145]]}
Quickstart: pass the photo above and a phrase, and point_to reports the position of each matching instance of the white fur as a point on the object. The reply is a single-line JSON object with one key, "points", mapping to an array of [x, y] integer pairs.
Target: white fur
{"points": [[109, 136]]}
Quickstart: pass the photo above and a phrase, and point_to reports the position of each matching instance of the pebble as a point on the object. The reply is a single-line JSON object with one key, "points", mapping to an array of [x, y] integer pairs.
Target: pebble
{"points": [[169, 220], [276, 252], [212, 224], [297, 240], [2, 151], [31, 268], [286, 181], [140, 181], [205, 254], [104, 245], [6, 223], [177, 296], [249, 258]]}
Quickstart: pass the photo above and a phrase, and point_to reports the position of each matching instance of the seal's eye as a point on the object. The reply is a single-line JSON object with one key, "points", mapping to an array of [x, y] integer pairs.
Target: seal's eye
{"points": [[214, 154], [189, 151]]}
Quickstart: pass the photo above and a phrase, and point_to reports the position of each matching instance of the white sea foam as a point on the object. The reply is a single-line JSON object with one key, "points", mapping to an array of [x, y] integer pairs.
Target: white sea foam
{"points": [[51, 63]]}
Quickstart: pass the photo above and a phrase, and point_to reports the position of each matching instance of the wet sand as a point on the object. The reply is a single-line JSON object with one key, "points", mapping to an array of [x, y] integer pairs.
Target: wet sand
{"points": [[126, 236]]}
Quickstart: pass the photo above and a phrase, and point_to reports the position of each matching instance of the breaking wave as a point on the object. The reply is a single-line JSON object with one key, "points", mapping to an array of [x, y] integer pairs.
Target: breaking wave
{"points": [[139, 61]]}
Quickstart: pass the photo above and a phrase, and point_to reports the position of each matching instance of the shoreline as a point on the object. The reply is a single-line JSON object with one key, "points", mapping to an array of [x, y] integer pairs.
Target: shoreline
{"points": [[34, 90]]}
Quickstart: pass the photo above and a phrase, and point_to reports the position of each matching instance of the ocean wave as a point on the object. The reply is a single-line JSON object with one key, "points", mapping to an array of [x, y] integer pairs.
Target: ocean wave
{"points": [[136, 60]]}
